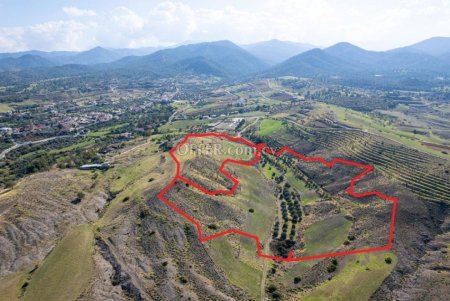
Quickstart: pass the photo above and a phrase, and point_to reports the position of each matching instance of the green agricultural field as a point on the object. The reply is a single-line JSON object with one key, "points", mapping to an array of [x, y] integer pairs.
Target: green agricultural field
{"points": [[105, 131], [260, 199], [10, 286], [66, 272], [357, 280], [269, 127], [307, 195], [267, 101], [238, 272], [178, 104], [323, 236], [326, 235], [4, 107], [81, 144], [251, 114], [268, 170], [201, 108], [183, 124]]}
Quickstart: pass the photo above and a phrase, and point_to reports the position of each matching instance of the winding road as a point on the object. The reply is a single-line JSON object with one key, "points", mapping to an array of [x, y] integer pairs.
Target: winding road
{"points": [[17, 145]]}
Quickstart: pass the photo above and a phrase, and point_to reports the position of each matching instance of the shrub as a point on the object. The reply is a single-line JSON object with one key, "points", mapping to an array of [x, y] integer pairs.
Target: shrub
{"points": [[78, 198], [331, 268], [251, 210], [10, 184], [297, 280], [388, 260], [276, 296], [144, 212], [213, 226], [271, 288], [115, 280]]}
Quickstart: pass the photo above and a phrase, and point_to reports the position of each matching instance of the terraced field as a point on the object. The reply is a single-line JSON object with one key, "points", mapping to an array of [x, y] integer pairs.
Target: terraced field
{"points": [[422, 173]]}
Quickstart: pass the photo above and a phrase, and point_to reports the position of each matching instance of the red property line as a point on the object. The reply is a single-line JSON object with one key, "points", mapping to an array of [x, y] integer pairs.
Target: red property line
{"points": [[259, 148]]}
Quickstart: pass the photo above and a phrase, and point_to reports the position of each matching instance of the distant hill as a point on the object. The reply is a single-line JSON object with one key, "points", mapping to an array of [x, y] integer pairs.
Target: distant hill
{"points": [[199, 65], [437, 46], [347, 60], [24, 62], [52, 55], [353, 54], [100, 55], [275, 51], [425, 60], [221, 57], [93, 56], [311, 63], [445, 57]]}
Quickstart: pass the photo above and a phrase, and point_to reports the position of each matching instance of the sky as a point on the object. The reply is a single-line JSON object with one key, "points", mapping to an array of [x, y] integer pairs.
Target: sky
{"points": [[84, 24]]}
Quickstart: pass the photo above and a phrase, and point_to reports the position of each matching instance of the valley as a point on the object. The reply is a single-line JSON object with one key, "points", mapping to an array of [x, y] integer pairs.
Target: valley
{"points": [[87, 187]]}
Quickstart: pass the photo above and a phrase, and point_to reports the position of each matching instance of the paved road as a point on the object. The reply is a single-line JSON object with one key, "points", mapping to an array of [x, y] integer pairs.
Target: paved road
{"points": [[17, 145]]}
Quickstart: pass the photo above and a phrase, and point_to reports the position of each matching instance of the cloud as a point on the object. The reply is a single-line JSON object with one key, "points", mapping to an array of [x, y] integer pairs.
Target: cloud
{"points": [[386, 24], [61, 35], [53, 35], [126, 19], [77, 12], [10, 39]]}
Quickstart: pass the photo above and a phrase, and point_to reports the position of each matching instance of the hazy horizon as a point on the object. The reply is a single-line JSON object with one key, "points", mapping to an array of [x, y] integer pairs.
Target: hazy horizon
{"points": [[212, 41], [81, 25]]}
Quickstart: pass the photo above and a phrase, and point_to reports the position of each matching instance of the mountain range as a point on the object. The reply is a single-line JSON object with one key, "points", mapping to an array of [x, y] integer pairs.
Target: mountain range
{"points": [[35, 58], [220, 58], [228, 60], [344, 59]]}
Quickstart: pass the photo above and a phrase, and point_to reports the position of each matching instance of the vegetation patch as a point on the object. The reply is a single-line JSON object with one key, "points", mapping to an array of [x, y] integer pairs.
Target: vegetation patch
{"points": [[4, 107], [269, 127], [66, 272], [11, 285], [358, 280], [240, 273], [326, 235]]}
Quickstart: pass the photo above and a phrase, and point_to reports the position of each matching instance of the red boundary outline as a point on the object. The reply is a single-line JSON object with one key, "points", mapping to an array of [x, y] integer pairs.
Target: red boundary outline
{"points": [[259, 149]]}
